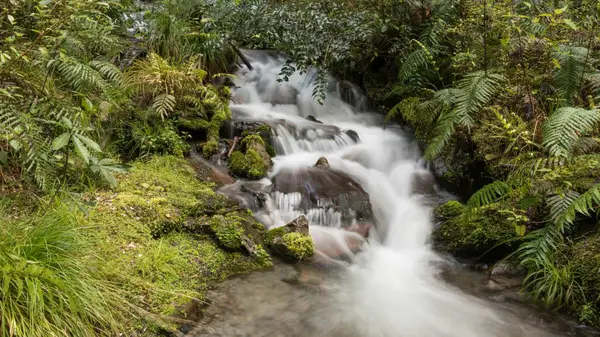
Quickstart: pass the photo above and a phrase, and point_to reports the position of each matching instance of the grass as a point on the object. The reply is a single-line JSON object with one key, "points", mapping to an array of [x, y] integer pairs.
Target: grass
{"points": [[49, 281]]}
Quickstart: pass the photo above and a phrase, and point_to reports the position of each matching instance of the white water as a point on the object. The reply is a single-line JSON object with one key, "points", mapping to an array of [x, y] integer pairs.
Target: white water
{"points": [[392, 287]]}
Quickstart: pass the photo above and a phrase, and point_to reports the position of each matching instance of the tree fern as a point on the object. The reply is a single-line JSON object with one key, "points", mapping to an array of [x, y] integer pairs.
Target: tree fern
{"points": [[79, 75], [564, 128]]}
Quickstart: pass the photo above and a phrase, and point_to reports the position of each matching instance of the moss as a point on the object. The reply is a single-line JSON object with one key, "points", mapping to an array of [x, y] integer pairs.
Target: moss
{"points": [[160, 273], [250, 165], [264, 131], [263, 258], [300, 246], [274, 233], [229, 230], [584, 259], [210, 148], [253, 138], [473, 235], [192, 123], [270, 150], [291, 246], [256, 168]]}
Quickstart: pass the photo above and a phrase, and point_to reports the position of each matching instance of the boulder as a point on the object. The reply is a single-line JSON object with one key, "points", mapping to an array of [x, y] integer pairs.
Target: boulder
{"points": [[291, 242], [323, 187], [353, 135]]}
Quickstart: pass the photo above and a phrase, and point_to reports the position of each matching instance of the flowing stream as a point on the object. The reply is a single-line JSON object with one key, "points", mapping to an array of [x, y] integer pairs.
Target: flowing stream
{"points": [[394, 285]]}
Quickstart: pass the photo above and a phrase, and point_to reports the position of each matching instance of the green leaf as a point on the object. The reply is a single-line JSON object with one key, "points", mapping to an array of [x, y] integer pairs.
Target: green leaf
{"points": [[61, 141], [520, 230], [108, 177], [89, 143], [81, 150], [67, 123], [3, 157], [570, 23], [87, 104], [559, 11], [11, 19], [15, 144]]}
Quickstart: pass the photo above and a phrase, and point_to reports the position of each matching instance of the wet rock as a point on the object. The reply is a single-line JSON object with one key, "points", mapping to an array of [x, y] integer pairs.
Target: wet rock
{"points": [[238, 230], [291, 242], [353, 135], [313, 119], [322, 162], [485, 235], [326, 188], [423, 183]]}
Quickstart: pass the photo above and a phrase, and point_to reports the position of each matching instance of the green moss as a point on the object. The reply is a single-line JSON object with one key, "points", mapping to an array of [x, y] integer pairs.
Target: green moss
{"points": [[192, 123], [474, 234], [229, 230], [270, 150], [253, 138], [274, 233], [160, 273], [210, 148], [300, 246], [263, 258], [251, 165], [584, 259]]}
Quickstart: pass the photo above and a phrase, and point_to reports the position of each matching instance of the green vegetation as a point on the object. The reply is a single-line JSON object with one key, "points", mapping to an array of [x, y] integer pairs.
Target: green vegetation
{"points": [[504, 93], [289, 245]]}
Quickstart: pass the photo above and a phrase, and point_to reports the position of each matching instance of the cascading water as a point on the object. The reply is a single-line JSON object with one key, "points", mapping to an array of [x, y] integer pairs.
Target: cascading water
{"points": [[393, 286]]}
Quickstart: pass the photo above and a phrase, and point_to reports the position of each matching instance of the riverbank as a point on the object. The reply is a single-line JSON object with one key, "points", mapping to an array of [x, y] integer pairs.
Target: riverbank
{"points": [[150, 240]]}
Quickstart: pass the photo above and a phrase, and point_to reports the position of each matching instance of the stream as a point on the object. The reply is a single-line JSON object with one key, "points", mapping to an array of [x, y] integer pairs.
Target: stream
{"points": [[389, 284]]}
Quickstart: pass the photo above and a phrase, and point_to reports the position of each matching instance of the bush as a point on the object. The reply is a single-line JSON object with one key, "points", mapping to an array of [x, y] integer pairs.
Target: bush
{"points": [[49, 283]]}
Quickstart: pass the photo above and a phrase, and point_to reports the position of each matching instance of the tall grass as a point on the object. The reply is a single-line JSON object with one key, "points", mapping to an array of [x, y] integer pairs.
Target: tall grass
{"points": [[48, 283]]}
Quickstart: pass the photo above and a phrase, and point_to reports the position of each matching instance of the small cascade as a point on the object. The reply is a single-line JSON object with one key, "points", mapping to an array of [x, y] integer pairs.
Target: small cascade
{"points": [[366, 193]]}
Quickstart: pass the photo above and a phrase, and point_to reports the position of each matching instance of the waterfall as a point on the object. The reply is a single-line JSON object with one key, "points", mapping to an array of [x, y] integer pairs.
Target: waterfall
{"points": [[393, 286]]}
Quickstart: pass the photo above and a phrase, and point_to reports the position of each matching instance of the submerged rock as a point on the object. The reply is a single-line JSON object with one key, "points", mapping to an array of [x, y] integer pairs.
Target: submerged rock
{"points": [[291, 242]]}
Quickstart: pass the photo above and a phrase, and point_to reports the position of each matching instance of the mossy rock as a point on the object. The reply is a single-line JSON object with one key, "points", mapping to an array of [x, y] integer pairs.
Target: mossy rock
{"points": [[473, 235], [584, 259], [291, 242], [240, 232], [254, 162]]}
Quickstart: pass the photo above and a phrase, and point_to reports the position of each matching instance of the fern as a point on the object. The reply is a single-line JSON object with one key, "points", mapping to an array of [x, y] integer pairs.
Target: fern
{"points": [[583, 204], [488, 194], [564, 128], [80, 76], [572, 68], [559, 203], [163, 104], [109, 71], [470, 95]]}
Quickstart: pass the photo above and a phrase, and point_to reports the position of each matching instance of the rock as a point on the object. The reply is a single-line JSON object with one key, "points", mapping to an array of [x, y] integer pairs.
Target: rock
{"points": [[313, 119], [291, 242], [423, 182], [254, 162], [471, 237], [352, 134], [326, 188], [322, 162], [237, 231]]}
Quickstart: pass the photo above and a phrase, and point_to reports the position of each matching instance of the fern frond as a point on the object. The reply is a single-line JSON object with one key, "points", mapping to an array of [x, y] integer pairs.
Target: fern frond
{"points": [[572, 68], [476, 91], [489, 193], [563, 129], [559, 203], [79, 75], [584, 204], [444, 129], [164, 104], [108, 70], [414, 63]]}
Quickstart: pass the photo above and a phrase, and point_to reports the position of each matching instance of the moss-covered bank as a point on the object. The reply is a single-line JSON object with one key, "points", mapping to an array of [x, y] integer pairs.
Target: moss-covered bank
{"points": [[154, 233]]}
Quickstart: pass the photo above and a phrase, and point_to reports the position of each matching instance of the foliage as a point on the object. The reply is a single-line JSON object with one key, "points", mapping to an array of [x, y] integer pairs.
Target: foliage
{"points": [[51, 280]]}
